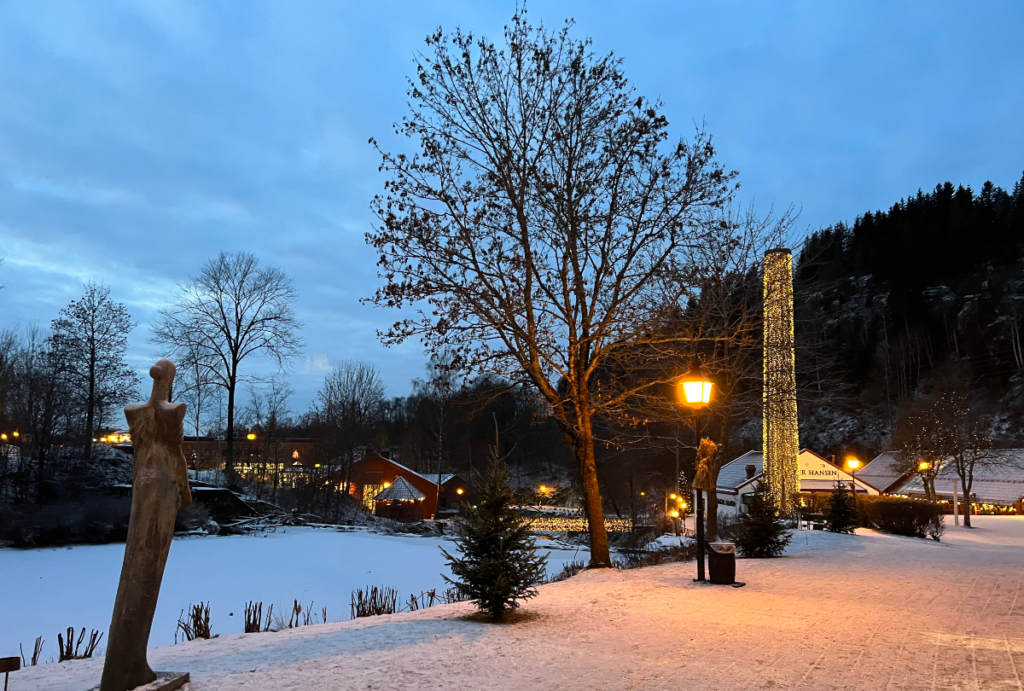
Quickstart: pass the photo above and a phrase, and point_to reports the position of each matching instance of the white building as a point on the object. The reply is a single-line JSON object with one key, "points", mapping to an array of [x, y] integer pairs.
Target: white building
{"points": [[738, 479], [998, 481]]}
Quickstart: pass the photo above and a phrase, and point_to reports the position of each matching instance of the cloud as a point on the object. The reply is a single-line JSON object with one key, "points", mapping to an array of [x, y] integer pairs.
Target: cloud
{"points": [[316, 364], [80, 192]]}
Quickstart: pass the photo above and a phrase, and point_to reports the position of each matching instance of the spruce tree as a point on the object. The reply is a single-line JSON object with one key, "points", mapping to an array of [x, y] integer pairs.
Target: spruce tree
{"points": [[841, 514], [761, 532], [498, 565]]}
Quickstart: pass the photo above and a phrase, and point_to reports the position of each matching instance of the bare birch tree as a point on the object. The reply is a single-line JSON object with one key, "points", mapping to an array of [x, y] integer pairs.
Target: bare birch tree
{"points": [[232, 311], [542, 222]]}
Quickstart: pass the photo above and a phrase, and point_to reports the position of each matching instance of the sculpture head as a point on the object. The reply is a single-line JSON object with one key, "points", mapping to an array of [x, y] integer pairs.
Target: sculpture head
{"points": [[163, 377]]}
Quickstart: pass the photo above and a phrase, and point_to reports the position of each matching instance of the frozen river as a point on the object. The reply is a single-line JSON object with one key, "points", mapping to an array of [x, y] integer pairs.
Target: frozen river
{"points": [[44, 591]]}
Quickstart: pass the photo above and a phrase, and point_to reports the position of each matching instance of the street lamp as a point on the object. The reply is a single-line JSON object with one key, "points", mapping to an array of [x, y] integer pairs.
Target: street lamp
{"points": [[694, 390], [853, 463]]}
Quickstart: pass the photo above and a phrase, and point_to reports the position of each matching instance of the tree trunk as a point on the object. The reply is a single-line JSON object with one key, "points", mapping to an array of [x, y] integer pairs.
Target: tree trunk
{"points": [[90, 403], [583, 447], [229, 460], [967, 498]]}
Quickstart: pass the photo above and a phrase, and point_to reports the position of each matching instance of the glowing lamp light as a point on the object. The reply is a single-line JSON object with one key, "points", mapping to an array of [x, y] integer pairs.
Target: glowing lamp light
{"points": [[543, 488], [16, 435], [3, 437], [458, 491], [643, 494], [672, 496], [316, 465], [386, 485], [695, 389], [251, 436], [924, 465], [295, 454], [674, 514], [682, 504], [852, 463]]}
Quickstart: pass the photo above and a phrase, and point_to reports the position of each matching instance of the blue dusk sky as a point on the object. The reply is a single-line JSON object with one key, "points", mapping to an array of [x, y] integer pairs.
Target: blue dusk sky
{"points": [[137, 139]]}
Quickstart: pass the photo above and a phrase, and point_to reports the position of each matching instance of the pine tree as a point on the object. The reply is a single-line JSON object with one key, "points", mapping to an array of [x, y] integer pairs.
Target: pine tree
{"points": [[498, 566], [841, 514], [761, 532]]}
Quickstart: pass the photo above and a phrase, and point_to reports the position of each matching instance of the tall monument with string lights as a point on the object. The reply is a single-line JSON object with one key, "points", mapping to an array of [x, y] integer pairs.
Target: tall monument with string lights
{"points": [[781, 435]]}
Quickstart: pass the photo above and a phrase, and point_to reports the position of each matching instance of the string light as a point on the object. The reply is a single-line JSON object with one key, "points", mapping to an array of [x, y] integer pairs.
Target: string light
{"points": [[558, 524], [781, 435]]}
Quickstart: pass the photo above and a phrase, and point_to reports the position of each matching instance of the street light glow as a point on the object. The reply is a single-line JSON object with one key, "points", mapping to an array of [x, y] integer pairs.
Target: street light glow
{"points": [[251, 436], [924, 465], [695, 390], [852, 463]]}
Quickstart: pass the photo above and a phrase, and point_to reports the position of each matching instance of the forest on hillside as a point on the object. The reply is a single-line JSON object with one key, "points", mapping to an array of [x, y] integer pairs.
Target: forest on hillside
{"points": [[930, 289]]}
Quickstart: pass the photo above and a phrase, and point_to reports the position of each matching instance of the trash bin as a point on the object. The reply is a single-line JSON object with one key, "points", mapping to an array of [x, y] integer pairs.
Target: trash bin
{"points": [[722, 563]]}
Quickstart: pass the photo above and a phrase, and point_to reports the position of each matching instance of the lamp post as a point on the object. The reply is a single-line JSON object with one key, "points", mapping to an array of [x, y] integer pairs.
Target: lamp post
{"points": [[695, 391], [853, 464]]}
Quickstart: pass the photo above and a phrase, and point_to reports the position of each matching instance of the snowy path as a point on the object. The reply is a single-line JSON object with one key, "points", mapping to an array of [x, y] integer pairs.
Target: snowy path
{"points": [[44, 591], [868, 612]]}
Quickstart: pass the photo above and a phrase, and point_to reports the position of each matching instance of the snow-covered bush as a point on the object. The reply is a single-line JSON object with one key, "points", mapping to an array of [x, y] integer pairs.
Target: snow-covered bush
{"points": [[902, 516]]}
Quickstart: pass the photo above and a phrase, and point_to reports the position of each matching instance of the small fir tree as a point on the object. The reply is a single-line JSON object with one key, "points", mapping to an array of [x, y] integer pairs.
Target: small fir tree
{"points": [[761, 532], [498, 566], [841, 514]]}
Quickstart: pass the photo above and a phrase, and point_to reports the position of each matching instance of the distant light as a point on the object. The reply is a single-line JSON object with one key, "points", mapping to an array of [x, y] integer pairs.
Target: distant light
{"points": [[682, 504], [675, 514], [295, 454], [852, 463], [251, 436], [16, 435], [386, 485], [3, 437], [316, 465], [458, 491], [672, 496], [924, 465], [643, 494]]}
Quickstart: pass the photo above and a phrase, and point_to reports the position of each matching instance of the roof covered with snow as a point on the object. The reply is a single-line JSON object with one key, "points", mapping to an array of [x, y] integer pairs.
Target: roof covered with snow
{"points": [[997, 480], [733, 474], [882, 472], [400, 490]]}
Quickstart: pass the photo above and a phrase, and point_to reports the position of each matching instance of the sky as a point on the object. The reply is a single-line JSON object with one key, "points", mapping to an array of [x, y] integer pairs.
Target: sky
{"points": [[138, 139]]}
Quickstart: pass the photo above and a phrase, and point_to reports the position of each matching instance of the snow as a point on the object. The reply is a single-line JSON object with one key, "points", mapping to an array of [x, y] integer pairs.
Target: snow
{"points": [[866, 611], [43, 591]]}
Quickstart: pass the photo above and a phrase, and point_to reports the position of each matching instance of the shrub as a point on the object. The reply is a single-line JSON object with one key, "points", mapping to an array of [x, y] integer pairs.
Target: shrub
{"points": [[196, 624], [70, 650], [635, 559], [96, 520], [760, 531], [902, 516], [374, 601], [192, 517], [840, 513]]}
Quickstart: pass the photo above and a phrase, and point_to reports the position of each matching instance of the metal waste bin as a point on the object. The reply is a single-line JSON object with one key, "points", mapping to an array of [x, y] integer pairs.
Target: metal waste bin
{"points": [[722, 563]]}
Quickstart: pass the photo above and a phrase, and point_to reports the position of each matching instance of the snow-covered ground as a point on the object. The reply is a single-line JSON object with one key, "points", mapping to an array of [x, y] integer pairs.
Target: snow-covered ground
{"points": [[43, 591], [870, 611]]}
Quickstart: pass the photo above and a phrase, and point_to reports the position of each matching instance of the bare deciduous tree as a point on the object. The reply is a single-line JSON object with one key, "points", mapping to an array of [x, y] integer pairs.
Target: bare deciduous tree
{"points": [[233, 310], [542, 223], [348, 406], [90, 340]]}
